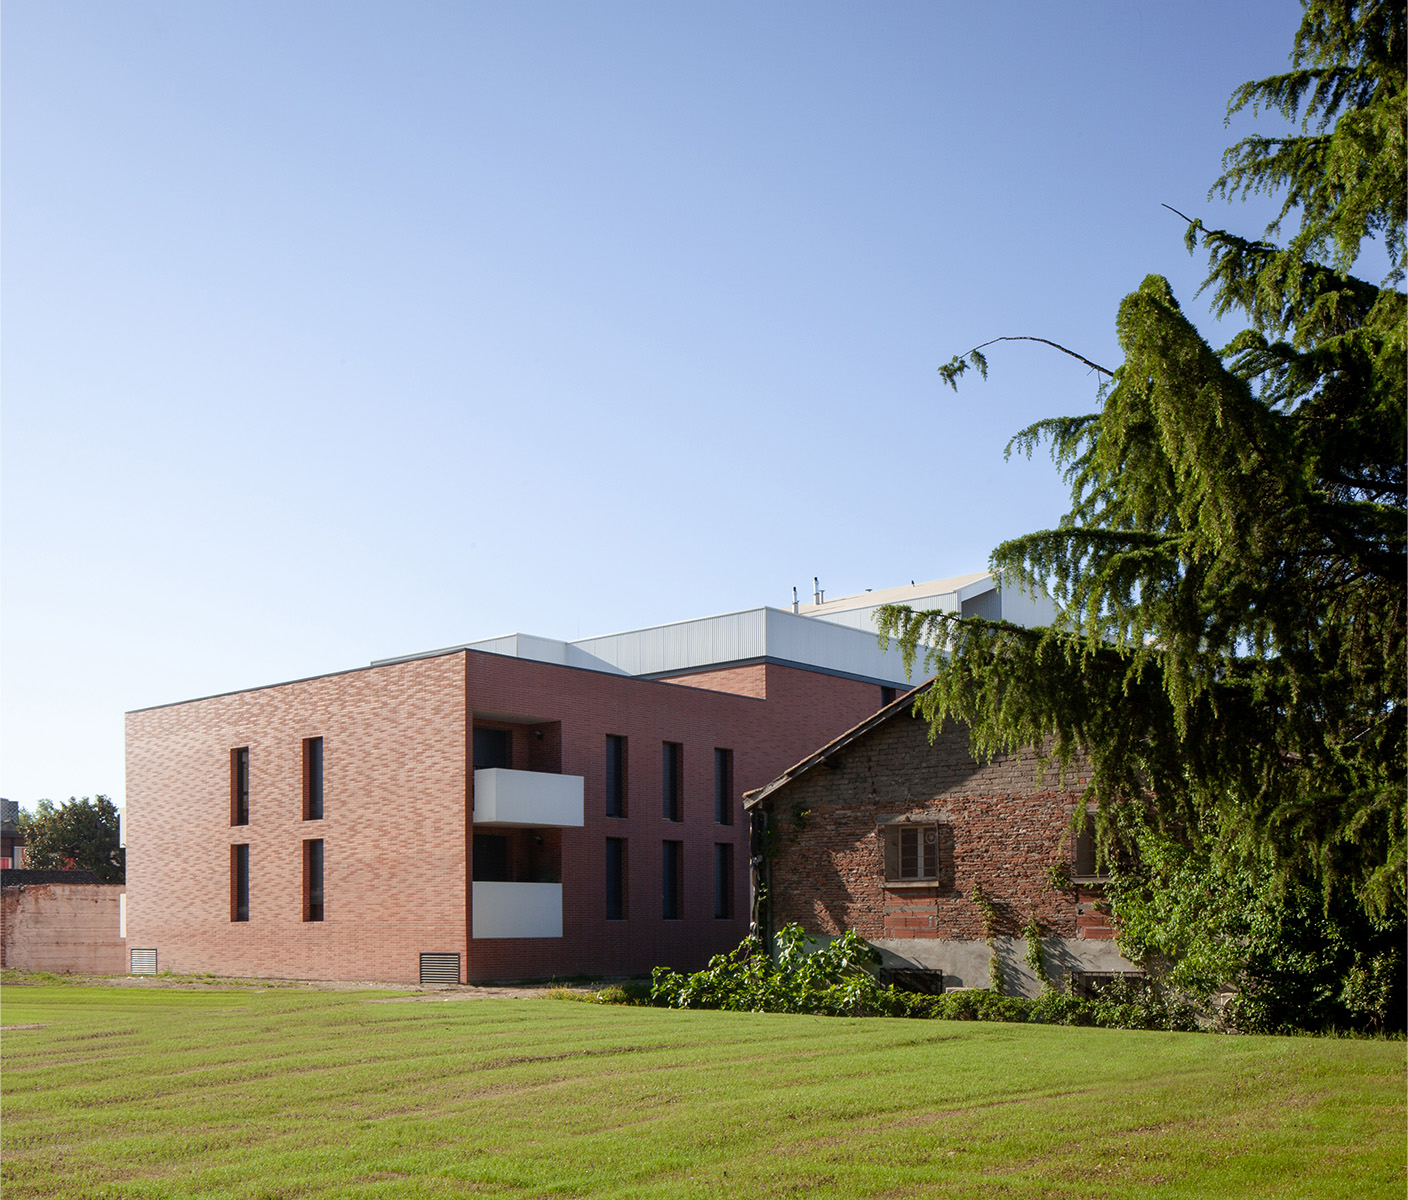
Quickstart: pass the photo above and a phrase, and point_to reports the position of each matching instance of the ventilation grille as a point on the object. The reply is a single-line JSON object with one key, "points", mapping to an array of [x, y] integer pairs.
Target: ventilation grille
{"points": [[438, 968], [143, 962]]}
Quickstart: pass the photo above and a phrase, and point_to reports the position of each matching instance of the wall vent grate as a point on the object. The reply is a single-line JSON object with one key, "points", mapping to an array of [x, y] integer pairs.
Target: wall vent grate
{"points": [[439, 968], [143, 962]]}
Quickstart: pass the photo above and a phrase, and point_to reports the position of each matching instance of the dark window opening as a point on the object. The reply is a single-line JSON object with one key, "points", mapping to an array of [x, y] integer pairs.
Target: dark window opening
{"points": [[1088, 985], [491, 863], [723, 787], [911, 852], [723, 881], [1085, 862], [615, 879], [672, 881], [239, 786], [615, 776], [518, 856], [313, 880], [672, 762], [313, 779], [887, 696], [239, 883], [492, 748]]}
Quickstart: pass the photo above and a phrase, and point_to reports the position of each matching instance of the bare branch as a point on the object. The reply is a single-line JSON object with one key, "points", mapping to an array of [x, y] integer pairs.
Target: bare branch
{"points": [[1191, 220], [1054, 346]]}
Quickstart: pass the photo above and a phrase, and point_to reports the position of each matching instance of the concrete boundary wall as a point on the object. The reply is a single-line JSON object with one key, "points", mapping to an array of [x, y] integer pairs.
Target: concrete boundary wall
{"points": [[62, 927]]}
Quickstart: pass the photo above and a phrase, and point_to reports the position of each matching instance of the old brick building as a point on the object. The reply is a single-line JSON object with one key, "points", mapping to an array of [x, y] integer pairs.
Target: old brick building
{"points": [[505, 809], [886, 834]]}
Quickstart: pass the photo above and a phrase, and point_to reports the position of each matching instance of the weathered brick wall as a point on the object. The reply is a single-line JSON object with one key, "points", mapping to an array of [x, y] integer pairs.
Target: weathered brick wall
{"points": [[62, 927], [394, 828], [1000, 826]]}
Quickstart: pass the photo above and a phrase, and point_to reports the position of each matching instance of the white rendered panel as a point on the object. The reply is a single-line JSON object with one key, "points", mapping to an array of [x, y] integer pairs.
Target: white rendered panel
{"points": [[506, 797], [509, 910]]}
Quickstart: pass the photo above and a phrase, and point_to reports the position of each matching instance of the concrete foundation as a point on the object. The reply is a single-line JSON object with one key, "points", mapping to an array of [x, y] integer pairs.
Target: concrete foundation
{"points": [[966, 963]]}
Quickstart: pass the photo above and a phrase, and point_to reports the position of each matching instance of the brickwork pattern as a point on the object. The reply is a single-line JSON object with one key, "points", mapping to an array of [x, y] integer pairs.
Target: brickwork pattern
{"points": [[1000, 826], [398, 813], [798, 711], [751, 680], [394, 828]]}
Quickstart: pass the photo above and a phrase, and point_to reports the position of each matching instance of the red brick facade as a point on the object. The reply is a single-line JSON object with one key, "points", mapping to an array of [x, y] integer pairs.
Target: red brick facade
{"points": [[998, 825], [397, 827]]}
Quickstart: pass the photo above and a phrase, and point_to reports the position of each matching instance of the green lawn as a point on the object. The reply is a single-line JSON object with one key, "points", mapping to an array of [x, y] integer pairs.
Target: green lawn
{"points": [[146, 1092]]}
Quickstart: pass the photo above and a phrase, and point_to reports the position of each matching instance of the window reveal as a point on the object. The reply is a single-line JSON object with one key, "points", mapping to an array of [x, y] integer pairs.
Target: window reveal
{"points": [[313, 779], [671, 784], [615, 879], [239, 786], [723, 787], [723, 881], [615, 775], [672, 881], [313, 879], [239, 882], [911, 852]]}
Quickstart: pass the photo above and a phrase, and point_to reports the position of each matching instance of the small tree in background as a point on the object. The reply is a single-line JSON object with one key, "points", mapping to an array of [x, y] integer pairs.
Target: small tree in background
{"points": [[77, 835]]}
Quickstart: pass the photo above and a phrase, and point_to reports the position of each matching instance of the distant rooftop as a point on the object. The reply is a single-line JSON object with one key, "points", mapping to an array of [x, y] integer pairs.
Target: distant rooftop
{"points": [[837, 636], [913, 594]]}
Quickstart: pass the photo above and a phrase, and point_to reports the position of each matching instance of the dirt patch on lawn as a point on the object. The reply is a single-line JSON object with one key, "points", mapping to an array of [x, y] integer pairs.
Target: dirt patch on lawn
{"points": [[207, 983]]}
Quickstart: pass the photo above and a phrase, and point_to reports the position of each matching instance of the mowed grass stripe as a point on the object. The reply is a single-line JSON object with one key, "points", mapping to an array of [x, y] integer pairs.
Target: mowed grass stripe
{"points": [[133, 1092]]}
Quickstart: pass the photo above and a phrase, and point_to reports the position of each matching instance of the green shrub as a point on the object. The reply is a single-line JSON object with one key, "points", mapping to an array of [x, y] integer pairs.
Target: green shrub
{"points": [[628, 992], [836, 978], [826, 978]]}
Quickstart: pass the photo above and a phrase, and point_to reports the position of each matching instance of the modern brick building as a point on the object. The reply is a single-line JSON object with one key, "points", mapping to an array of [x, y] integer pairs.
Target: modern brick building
{"points": [[884, 833], [513, 808]]}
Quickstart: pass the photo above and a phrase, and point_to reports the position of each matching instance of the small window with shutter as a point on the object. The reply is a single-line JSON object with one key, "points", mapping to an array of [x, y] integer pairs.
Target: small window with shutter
{"points": [[911, 852]]}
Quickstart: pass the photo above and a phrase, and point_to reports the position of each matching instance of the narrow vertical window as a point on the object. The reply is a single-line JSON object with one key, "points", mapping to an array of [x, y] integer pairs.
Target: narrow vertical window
{"points": [[615, 879], [239, 786], [723, 881], [615, 776], [313, 779], [887, 696], [672, 881], [239, 883], [313, 879], [723, 787], [672, 761]]}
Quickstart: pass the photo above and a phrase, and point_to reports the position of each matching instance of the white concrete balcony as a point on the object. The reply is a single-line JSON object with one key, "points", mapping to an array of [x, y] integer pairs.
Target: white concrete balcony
{"points": [[526, 798], [516, 910]]}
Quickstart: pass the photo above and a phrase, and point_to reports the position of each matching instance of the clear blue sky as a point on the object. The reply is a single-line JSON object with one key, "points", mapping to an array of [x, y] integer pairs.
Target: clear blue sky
{"points": [[340, 330]]}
